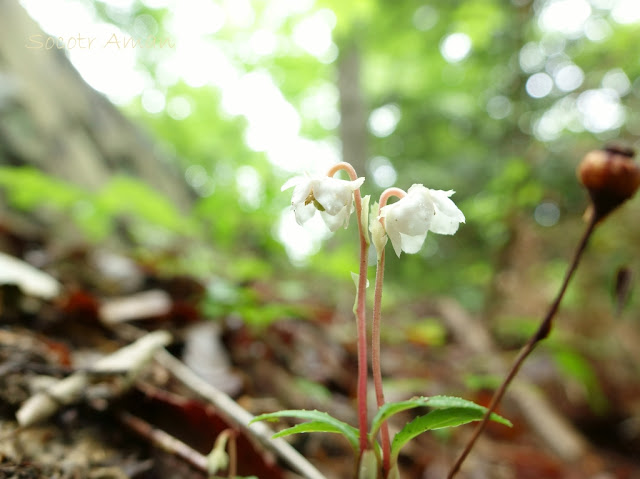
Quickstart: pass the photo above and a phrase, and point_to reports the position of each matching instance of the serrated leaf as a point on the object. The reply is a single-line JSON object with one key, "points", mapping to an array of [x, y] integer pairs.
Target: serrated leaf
{"points": [[435, 402], [389, 409], [443, 402], [318, 422], [446, 416], [311, 426]]}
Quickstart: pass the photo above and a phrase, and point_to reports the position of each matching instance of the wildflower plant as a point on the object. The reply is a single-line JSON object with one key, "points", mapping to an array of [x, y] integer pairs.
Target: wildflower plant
{"points": [[610, 176], [406, 224]]}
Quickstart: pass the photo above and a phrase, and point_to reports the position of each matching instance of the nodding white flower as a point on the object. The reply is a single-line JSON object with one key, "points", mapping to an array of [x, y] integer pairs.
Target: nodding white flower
{"points": [[408, 220], [331, 196]]}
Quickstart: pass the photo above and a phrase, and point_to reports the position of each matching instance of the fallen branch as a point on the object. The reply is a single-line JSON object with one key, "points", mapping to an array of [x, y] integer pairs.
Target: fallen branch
{"points": [[163, 440], [131, 359], [238, 416]]}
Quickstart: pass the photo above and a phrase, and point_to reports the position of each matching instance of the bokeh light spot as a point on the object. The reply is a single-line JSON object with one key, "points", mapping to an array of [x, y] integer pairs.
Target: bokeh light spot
{"points": [[383, 172], [499, 107], [425, 18], [539, 85], [153, 100], [455, 47], [383, 120], [196, 176], [179, 108], [565, 16], [568, 77], [600, 110], [531, 57], [617, 80], [547, 213], [313, 33], [626, 12]]}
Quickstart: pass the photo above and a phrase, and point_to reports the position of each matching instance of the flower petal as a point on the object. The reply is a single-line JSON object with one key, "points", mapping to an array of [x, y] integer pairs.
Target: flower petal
{"points": [[357, 183], [412, 244], [333, 194], [304, 212], [292, 182], [301, 192], [447, 216], [412, 214], [334, 222], [394, 235], [409, 219]]}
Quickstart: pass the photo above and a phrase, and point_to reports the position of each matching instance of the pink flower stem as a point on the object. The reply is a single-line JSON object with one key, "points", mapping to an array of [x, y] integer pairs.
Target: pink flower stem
{"points": [[360, 310], [375, 362], [375, 337]]}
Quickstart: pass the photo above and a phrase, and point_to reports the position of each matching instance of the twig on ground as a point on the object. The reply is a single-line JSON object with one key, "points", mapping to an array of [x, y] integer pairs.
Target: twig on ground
{"points": [[238, 416], [131, 358], [163, 440]]}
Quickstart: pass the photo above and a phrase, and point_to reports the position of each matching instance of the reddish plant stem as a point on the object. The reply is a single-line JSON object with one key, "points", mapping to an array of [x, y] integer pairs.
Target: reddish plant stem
{"points": [[362, 344], [375, 362], [388, 193], [542, 332], [375, 337], [360, 310]]}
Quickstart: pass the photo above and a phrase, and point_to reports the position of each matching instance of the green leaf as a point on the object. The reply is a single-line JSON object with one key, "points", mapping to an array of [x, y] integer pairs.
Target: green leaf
{"points": [[318, 422], [311, 426], [389, 409], [438, 419], [575, 366], [450, 412], [28, 188], [443, 402], [435, 402]]}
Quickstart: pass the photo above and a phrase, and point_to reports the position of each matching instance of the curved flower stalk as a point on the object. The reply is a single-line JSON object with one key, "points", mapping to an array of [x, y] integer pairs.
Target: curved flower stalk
{"points": [[334, 199], [406, 223]]}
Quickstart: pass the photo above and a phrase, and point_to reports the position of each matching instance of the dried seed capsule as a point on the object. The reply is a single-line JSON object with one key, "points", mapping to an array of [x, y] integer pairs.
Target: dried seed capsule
{"points": [[611, 177]]}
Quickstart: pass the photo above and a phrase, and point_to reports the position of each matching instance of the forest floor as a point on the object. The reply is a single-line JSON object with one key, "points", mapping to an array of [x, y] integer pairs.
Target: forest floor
{"points": [[134, 416]]}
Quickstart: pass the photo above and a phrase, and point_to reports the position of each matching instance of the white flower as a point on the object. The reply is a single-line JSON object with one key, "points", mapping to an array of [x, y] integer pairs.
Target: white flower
{"points": [[408, 220], [331, 196]]}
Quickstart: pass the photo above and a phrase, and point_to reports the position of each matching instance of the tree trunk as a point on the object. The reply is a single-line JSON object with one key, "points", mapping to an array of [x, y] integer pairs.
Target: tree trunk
{"points": [[353, 117]]}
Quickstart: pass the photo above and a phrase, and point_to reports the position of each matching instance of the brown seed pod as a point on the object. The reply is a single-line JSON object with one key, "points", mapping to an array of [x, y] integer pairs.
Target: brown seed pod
{"points": [[611, 177]]}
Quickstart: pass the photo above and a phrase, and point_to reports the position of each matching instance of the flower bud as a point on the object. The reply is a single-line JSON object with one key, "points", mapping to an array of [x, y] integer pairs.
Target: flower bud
{"points": [[611, 177]]}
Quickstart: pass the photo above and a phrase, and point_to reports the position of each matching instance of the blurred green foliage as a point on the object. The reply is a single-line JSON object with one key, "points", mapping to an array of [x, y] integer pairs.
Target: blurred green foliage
{"points": [[573, 365], [494, 99], [94, 213]]}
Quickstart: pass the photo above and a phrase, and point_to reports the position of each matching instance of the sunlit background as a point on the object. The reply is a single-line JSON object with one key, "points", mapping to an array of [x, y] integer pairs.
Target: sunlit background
{"points": [[493, 99], [186, 49]]}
